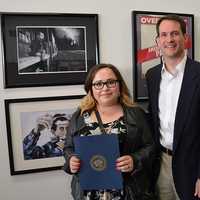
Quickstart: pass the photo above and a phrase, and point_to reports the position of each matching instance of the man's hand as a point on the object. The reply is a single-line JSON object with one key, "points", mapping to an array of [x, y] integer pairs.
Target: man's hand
{"points": [[43, 122], [197, 188]]}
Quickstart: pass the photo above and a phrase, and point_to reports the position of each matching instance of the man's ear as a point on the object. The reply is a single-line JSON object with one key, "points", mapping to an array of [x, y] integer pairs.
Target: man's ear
{"points": [[158, 51], [188, 41]]}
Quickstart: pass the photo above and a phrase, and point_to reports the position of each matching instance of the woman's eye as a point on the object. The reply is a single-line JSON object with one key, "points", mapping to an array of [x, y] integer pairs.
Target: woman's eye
{"points": [[111, 81], [98, 84]]}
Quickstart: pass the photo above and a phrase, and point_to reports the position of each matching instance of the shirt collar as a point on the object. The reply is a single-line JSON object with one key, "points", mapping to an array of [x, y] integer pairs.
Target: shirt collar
{"points": [[180, 67]]}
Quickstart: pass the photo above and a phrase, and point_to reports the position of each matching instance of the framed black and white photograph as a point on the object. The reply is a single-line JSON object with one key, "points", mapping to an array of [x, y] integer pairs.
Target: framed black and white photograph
{"points": [[145, 52], [48, 49], [36, 131]]}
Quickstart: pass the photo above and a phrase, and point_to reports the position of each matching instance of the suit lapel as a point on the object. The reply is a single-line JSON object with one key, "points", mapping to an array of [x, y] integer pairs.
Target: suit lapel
{"points": [[184, 102]]}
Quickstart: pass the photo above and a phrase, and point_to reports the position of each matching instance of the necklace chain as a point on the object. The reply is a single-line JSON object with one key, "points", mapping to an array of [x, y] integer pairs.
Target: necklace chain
{"points": [[110, 127]]}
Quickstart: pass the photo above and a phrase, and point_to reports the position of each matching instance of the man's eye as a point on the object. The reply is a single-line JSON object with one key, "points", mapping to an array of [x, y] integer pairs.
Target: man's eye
{"points": [[62, 128], [175, 33], [163, 35]]}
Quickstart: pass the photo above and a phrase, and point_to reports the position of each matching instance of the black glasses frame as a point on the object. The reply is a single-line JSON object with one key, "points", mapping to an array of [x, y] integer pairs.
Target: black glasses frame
{"points": [[100, 84]]}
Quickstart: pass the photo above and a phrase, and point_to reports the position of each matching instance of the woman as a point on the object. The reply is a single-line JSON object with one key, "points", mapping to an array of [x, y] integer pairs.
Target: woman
{"points": [[108, 94]]}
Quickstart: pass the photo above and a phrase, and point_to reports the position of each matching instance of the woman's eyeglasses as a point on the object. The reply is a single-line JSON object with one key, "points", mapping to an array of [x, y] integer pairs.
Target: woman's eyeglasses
{"points": [[110, 83]]}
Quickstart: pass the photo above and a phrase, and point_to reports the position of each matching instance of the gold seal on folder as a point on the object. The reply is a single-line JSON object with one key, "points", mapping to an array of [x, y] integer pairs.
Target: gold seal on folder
{"points": [[98, 162]]}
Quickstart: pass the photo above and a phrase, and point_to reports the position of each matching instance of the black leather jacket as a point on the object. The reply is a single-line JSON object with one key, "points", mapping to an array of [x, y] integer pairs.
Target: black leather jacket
{"points": [[137, 142]]}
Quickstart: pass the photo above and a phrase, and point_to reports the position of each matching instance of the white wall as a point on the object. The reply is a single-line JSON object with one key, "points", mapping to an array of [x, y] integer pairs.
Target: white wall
{"points": [[115, 42]]}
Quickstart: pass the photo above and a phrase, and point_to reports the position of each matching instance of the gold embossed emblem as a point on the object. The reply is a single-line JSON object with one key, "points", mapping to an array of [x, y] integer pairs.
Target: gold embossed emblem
{"points": [[98, 162]]}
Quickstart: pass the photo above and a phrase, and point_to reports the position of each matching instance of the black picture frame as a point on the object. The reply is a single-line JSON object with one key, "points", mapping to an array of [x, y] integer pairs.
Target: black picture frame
{"points": [[28, 154], [48, 49], [145, 54]]}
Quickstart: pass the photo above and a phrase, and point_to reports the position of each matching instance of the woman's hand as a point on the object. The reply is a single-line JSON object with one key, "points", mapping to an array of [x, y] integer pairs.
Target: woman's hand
{"points": [[74, 164], [125, 163]]}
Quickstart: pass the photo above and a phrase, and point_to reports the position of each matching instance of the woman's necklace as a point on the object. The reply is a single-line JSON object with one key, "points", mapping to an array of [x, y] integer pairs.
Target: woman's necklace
{"points": [[110, 127]]}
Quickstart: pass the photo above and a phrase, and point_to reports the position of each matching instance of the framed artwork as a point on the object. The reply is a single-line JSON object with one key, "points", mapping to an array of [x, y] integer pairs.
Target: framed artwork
{"points": [[48, 49], [145, 52], [36, 130]]}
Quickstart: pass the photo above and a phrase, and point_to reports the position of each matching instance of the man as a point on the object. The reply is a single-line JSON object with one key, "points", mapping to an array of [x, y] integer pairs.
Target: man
{"points": [[174, 105], [57, 126], [39, 47]]}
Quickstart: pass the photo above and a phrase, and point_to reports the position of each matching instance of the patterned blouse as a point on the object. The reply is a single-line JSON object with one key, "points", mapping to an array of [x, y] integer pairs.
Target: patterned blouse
{"points": [[116, 127]]}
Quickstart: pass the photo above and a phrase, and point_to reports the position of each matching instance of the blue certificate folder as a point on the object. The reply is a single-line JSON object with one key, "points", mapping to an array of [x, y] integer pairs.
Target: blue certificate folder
{"points": [[98, 156]]}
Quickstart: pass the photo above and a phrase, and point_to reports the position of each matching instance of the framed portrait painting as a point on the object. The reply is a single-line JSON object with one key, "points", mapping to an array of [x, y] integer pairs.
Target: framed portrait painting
{"points": [[48, 49], [145, 51], [36, 131]]}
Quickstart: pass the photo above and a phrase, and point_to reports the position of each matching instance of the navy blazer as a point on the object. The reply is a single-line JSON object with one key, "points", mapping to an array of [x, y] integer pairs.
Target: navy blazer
{"points": [[186, 144]]}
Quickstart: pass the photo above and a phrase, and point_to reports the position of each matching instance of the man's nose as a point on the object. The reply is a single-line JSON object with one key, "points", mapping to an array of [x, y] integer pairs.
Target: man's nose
{"points": [[170, 37]]}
